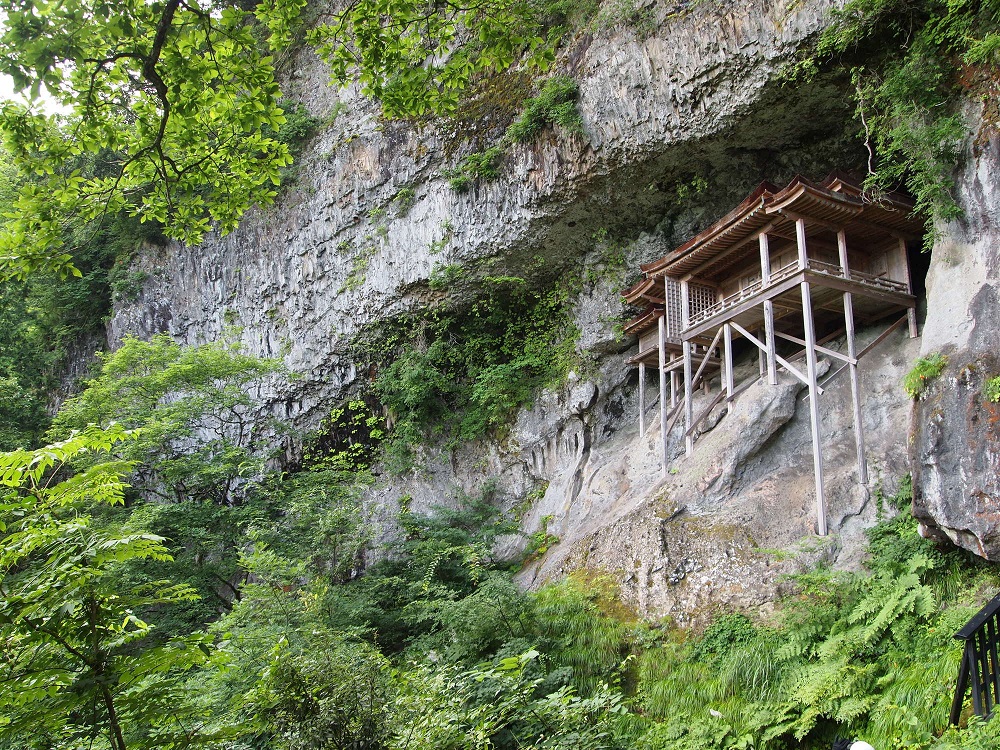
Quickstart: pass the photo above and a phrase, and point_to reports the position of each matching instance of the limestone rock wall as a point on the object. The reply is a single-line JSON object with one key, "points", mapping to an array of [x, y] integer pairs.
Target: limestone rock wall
{"points": [[955, 434]]}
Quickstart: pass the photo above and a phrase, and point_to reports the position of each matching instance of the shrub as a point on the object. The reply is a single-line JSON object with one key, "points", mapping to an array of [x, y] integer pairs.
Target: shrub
{"points": [[554, 105], [991, 389], [926, 369]]}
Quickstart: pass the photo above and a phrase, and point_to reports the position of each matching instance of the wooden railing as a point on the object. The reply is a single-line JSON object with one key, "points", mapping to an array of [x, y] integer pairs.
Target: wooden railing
{"points": [[832, 269], [980, 667], [827, 269]]}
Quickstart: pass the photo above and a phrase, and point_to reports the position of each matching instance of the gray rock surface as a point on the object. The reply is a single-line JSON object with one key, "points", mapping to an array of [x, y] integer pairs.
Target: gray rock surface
{"points": [[955, 430]]}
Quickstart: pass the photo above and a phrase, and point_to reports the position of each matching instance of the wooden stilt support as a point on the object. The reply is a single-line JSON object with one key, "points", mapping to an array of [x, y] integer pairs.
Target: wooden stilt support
{"points": [[807, 319], [688, 401], [772, 364], [911, 313], [859, 438], [673, 388], [728, 359], [765, 278], [800, 243], [642, 399], [663, 395], [688, 382]]}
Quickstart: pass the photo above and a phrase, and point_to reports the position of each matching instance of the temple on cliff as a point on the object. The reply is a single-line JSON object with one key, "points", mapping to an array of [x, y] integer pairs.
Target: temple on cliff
{"points": [[788, 270]]}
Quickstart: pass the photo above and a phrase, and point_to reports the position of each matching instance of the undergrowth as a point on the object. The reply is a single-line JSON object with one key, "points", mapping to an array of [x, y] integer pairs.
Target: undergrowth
{"points": [[449, 650]]}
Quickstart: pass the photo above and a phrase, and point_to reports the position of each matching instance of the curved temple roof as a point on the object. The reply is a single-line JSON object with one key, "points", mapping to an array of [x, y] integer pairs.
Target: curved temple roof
{"points": [[837, 202]]}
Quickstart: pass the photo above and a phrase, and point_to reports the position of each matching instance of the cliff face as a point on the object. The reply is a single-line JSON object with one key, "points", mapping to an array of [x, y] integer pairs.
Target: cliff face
{"points": [[956, 429], [700, 103]]}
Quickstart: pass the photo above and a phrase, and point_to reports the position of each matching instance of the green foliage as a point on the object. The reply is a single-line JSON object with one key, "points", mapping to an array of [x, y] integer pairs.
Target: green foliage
{"points": [[45, 318], [297, 128], [187, 139], [183, 102], [554, 105], [390, 59], [918, 58], [540, 541], [479, 165], [201, 411], [348, 438], [326, 692], [926, 369], [78, 662], [581, 624], [455, 377], [991, 389], [725, 633], [444, 276], [404, 198]]}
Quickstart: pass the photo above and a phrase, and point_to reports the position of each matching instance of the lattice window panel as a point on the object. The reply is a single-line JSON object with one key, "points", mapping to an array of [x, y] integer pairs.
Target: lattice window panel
{"points": [[701, 297], [675, 319]]}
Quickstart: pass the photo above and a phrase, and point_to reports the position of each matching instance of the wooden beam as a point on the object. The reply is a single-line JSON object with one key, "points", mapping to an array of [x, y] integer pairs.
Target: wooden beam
{"points": [[642, 399], [878, 340], [689, 434], [674, 414], [663, 393], [807, 320], [771, 292], [800, 243], [685, 305], [728, 358], [823, 349], [688, 400], [705, 359], [769, 349], [754, 340], [902, 299], [859, 438], [716, 259], [911, 314], [765, 258]]}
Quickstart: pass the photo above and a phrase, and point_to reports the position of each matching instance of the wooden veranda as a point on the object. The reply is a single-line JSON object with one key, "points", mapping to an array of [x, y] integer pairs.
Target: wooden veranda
{"points": [[795, 267]]}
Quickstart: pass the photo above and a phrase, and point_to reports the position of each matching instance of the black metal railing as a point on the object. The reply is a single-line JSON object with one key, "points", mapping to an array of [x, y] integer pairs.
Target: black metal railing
{"points": [[980, 667]]}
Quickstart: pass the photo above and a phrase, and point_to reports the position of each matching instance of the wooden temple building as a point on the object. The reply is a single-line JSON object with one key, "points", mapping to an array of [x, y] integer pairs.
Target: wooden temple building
{"points": [[788, 270]]}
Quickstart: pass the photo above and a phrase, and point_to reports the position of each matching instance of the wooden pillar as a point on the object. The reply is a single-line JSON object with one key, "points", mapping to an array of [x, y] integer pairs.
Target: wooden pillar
{"points": [[859, 437], [673, 387], [765, 259], [800, 242], [807, 319], [688, 400], [642, 399], [911, 313], [765, 275], [727, 338], [663, 393], [688, 391]]}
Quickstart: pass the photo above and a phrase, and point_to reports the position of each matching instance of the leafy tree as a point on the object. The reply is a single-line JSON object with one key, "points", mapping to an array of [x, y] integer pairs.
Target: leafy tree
{"points": [[76, 660], [206, 425], [181, 95]]}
